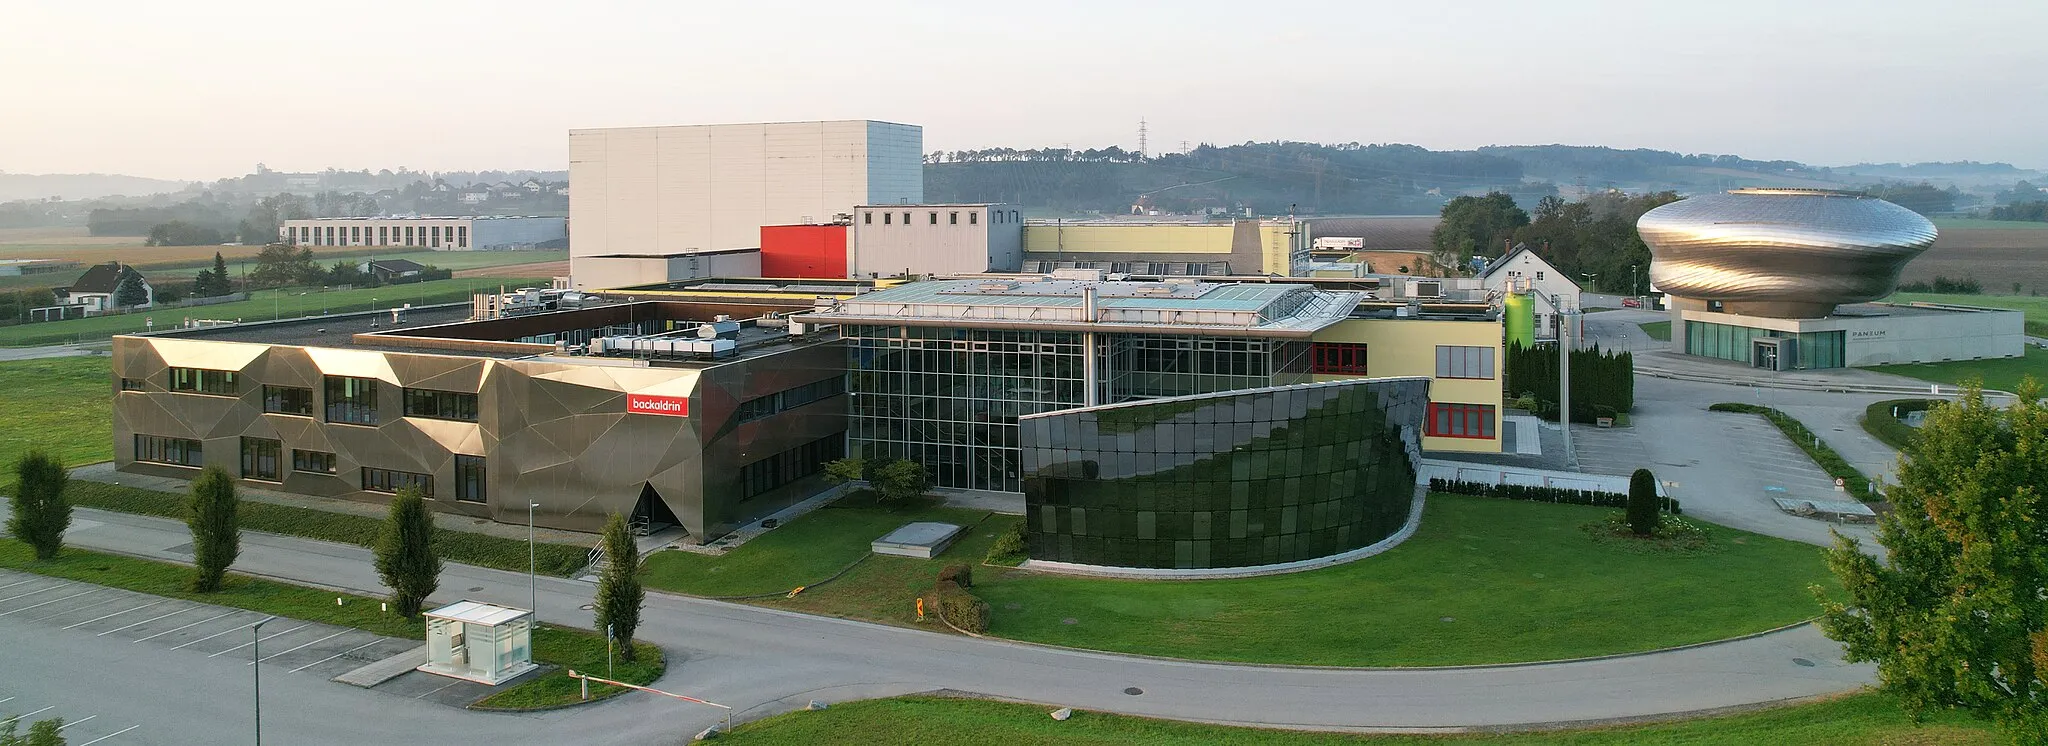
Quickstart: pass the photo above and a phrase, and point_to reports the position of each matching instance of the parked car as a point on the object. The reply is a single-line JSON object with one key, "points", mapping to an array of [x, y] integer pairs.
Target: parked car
{"points": [[1631, 303]]}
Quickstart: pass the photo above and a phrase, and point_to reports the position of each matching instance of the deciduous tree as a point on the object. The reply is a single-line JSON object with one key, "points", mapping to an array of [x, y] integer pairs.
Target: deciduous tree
{"points": [[1955, 617], [40, 511], [212, 512], [619, 595], [405, 552]]}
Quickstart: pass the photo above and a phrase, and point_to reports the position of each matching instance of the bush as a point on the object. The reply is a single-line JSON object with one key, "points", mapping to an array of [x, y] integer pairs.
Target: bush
{"points": [[1822, 454], [1008, 548], [39, 512], [960, 608], [1603, 383], [216, 533], [1882, 420], [1642, 502], [1535, 493], [961, 574]]}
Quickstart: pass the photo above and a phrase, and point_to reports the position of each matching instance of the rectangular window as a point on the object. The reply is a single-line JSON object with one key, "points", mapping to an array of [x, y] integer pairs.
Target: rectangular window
{"points": [[789, 466], [1338, 357], [131, 384], [351, 400], [408, 235], [763, 406], [974, 218], [935, 218], [434, 237], [391, 480], [174, 451], [469, 478], [953, 218], [203, 381], [383, 235], [261, 458], [1539, 274], [867, 218], [288, 400], [440, 405], [1461, 421], [462, 237], [312, 462], [887, 217], [1464, 362], [906, 218]]}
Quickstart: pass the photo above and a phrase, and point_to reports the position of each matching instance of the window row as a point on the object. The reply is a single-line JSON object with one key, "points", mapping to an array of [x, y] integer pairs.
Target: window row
{"points": [[431, 236], [952, 217], [263, 458], [1337, 357], [1464, 362], [763, 406], [157, 449], [761, 476], [203, 381], [1461, 420]]}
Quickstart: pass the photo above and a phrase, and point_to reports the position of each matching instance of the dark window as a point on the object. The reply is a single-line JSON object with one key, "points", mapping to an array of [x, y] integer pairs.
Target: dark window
{"points": [[935, 218], [352, 400], [868, 218], [261, 458], [789, 466], [391, 480], [316, 462], [462, 237], [888, 218], [1338, 357], [174, 451], [1461, 420], [1013, 216], [953, 218], [974, 218], [763, 406], [383, 235], [131, 384], [202, 381], [906, 218], [288, 400], [469, 478], [1464, 362], [440, 405]]}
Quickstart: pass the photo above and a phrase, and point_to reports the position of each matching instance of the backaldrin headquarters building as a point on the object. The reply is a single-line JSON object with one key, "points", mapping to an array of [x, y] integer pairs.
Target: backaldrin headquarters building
{"points": [[1181, 424]]}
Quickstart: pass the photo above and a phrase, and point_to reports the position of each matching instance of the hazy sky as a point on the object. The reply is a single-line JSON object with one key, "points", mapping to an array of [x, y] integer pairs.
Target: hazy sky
{"points": [[208, 89]]}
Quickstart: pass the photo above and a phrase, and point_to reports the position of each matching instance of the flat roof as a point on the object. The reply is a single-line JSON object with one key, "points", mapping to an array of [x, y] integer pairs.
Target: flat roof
{"points": [[331, 330], [1238, 309], [425, 217], [477, 612]]}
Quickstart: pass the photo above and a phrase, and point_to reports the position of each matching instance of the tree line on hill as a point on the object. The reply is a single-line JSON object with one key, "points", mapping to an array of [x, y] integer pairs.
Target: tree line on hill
{"points": [[1593, 237]]}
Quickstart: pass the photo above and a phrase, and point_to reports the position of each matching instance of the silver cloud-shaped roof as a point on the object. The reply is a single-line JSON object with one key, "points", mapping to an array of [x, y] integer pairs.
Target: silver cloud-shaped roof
{"points": [[1782, 252]]}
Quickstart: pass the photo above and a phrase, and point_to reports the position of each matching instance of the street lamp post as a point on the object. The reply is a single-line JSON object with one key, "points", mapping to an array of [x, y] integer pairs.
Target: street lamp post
{"points": [[256, 667], [1634, 288], [531, 595]]}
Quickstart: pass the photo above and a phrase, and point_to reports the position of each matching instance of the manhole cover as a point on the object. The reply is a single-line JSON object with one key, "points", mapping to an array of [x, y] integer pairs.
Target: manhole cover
{"points": [[1070, 620], [1803, 662], [475, 589], [1449, 619], [588, 607], [1133, 691]]}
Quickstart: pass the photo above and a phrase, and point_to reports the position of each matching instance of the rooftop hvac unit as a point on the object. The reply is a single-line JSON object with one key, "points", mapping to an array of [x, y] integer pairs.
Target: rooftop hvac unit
{"points": [[725, 328], [1154, 290]]}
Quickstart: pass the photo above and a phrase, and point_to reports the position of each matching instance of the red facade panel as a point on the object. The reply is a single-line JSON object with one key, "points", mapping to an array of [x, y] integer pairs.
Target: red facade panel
{"points": [[803, 251]]}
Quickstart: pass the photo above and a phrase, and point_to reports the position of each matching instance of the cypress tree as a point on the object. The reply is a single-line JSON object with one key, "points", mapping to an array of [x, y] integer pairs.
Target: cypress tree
{"points": [[619, 595], [40, 512], [212, 513], [1642, 503], [405, 552]]}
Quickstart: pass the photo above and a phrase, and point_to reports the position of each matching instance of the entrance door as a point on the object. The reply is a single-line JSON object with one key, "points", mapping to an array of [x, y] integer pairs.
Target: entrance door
{"points": [[1764, 353], [651, 513]]}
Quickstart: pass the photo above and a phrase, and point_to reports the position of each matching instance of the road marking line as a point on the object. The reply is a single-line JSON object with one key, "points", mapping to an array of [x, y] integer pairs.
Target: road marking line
{"points": [[45, 603], [252, 642], [11, 699], [145, 621], [79, 609], [18, 582], [318, 662], [194, 624], [118, 613], [33, 592], [26, 714], [110, 735], [236, 628], [315, 642], [70, 723]]}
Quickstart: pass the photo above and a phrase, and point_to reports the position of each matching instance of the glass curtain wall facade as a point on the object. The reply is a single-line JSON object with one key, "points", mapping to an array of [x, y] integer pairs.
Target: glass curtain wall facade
{"points": [[949, 398], [1237, 479], [1816, 350]]}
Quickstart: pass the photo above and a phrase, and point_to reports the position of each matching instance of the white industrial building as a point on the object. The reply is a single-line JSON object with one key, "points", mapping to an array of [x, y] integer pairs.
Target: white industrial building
{"points": [[1522, 270], [647, 193], [900, 239], [472, 233], [627, 270]]}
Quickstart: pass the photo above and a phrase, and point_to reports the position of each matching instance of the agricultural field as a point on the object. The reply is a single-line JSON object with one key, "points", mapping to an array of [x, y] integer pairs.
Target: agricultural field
{"points": [[181, 262], [2036, 307], [2000, 254]]}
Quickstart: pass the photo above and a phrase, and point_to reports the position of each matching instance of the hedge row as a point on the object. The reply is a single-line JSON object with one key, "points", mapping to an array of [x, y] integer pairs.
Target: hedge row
{"points": [[1603, 383], [482, 550], [1541, 494], [1822, 454], [956, 605], [1882, 421]]}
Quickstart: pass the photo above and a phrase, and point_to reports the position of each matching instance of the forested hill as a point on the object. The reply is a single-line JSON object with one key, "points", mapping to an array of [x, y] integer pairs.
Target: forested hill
{"points": [[1351, 178]]}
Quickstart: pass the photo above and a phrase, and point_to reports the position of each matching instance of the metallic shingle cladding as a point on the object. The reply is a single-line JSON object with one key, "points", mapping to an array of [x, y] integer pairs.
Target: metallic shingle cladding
{"points": [[1799, 250]]}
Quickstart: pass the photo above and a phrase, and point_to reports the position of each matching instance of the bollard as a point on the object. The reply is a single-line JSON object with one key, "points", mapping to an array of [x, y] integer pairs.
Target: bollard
{"points": [[586, 689], [337, 600]]}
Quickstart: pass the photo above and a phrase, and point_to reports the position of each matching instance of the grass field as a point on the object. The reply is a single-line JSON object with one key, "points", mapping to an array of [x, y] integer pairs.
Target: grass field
{"points": [[584, 652], [1854, 720], [1518, 582], [2003, 374], [63, 404], [181, 262], [1658, 330], [265, 304]]}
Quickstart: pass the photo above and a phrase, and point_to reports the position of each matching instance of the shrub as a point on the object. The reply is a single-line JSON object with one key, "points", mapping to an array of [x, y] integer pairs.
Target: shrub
{"points": [[1536, 493], [1822, 454], [1642, 502], [1882, 420], [1008, 548], [960, 608], [619, 594], [39, 511], [405, 555], [216, 533], [961, 574]]}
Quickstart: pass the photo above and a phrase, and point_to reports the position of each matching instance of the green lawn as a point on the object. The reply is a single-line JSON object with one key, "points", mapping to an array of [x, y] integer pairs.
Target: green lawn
{"points": [[265, 304], [584, 652], [805, 551], [63, 404], [1846, 721], [2036, 307], [1658, 330], [2004, 374]]}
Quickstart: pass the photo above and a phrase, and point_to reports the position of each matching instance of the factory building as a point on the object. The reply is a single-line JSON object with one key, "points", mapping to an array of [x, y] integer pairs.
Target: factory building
{"points": [[1275, 247], [473, 233]]}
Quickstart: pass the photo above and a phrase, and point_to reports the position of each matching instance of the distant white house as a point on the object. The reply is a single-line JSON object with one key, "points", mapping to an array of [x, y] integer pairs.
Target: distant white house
{"points": [[1522, 270], [95, 290]]}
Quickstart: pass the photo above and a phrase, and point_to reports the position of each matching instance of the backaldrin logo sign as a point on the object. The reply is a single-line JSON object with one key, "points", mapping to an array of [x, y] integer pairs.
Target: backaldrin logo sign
{"points": [[671, 406]]}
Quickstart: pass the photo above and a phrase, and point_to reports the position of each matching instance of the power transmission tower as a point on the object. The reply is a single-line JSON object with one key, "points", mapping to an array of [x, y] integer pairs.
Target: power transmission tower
{"points": [[1142, 134]]}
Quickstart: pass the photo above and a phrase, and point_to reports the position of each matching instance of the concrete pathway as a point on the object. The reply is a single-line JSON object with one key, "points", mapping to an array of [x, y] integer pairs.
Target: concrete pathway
{"points": [[38, 353], [764, 661]]}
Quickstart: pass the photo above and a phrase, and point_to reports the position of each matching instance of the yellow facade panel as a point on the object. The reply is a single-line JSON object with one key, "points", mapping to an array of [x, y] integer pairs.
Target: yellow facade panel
{"points": [[1407, 347], [1129, 239]]}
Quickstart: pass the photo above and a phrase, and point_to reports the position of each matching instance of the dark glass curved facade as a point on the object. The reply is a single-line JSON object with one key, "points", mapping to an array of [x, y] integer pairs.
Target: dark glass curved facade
{"points": [[1236, 479]]}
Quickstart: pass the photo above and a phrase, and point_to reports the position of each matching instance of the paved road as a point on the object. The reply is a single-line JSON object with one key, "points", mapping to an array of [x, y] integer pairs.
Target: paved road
{"points": [[37, 353], [765, 661]]}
